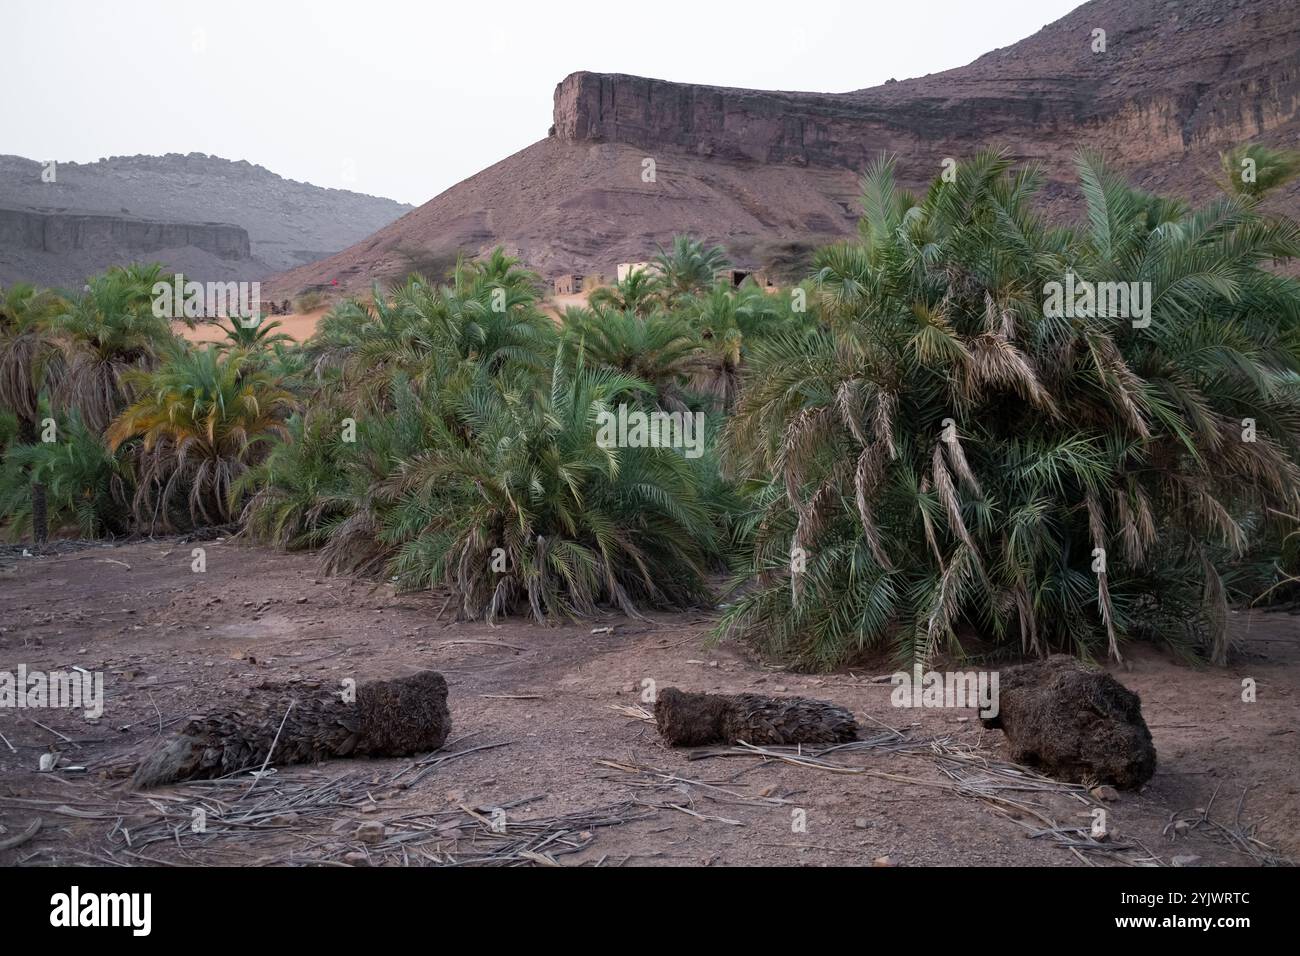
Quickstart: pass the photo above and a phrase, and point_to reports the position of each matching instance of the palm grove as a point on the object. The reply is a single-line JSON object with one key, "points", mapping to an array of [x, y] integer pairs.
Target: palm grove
{"points": [[905, 451]]}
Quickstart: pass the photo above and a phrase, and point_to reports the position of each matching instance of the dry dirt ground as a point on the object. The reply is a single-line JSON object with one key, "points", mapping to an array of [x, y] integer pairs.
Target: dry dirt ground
{"points": [[548, 761]]}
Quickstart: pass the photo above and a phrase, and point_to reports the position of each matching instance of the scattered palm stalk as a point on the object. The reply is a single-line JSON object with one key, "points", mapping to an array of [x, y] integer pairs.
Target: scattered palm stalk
{"points": [[1239, 836], [539, 841], [512, 647], [53, 731], [22, 836], [305, 800], [968, 774], [657, 779], [429, 764], [993, 782], [634, 713], [891, 742], [704, 816]]}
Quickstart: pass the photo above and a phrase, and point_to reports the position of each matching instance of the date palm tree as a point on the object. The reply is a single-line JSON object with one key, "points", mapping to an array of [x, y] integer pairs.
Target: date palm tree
{"points": [[728, 322], [28, 356], [519, 509], [423, 331], [660, 350], [256, 337], [84, 486], [201, 419], [1254, 169], [948, 455], [638, 293], [496, 270], [689, 267], [294, 494], [106, 334]]}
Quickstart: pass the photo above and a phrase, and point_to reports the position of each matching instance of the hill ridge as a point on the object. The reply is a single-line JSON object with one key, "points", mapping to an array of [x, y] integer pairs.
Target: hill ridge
{"points": [[766, 171]]}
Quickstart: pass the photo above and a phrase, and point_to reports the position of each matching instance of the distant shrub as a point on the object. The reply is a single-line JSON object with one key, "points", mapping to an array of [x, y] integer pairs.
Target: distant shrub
{"points": [[309, 302]]}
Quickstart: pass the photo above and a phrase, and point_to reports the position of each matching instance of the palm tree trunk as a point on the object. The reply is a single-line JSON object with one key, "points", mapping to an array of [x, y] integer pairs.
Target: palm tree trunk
{"points": [[40, 519], [388, 718], [685, 719], [40, 522]]}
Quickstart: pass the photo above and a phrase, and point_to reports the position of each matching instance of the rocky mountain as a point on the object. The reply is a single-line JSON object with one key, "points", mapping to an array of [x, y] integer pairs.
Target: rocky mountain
{"points": [[209, 217], [1165, 87]]}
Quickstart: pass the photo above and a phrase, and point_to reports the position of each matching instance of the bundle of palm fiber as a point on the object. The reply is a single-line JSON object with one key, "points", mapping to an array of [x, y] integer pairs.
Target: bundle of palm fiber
{"points": [[693, 720], [1075, 722], [388, 718]]}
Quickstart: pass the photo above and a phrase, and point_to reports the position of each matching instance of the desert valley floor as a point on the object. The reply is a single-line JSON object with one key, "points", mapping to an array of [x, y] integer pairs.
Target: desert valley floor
{"points": [[551, 759]]}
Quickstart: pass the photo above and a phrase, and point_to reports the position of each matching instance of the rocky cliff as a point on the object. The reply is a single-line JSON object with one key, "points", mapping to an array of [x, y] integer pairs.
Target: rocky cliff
{"points": [[213, 217], [1174, 75], [68, 232], [1161, 90]]}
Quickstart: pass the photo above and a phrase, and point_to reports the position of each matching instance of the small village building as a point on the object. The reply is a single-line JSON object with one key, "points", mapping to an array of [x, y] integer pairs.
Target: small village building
{"points": [[734, 277], [575, 283], [625, 269], [569, 284]]}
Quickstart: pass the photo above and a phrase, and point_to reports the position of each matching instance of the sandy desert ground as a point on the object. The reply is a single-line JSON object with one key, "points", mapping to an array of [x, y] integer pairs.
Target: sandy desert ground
{"points": [[550, 759]]}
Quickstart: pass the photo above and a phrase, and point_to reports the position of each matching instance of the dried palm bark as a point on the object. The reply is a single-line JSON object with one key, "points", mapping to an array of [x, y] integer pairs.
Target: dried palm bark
{"points": [[692, 720], [388, 718]]}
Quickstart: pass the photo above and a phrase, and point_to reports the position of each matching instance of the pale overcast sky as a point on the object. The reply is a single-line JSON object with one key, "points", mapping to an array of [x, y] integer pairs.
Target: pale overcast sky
{"points": [[404, 99]]}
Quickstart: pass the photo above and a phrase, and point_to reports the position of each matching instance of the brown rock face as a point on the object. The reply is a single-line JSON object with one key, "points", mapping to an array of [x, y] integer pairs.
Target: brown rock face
{"points": [[1178, 81], [739, 125], [1173, 75]]}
